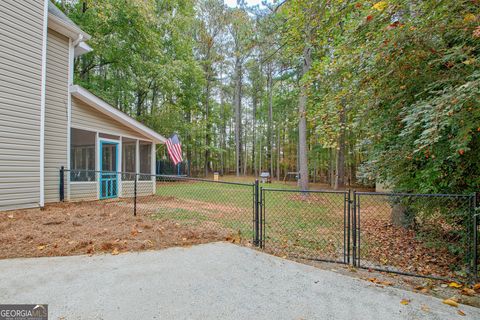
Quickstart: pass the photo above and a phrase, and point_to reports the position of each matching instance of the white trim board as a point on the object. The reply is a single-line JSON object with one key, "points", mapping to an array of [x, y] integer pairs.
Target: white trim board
{"points": [[113, 133], [97, 103]]}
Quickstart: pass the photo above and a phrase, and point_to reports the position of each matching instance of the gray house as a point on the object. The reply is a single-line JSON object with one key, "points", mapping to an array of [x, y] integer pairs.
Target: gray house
{"points": [[47, 122]]}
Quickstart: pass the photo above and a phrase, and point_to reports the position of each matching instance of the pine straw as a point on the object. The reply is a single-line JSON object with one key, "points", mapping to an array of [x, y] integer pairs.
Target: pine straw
{"points": [[90, 227]]}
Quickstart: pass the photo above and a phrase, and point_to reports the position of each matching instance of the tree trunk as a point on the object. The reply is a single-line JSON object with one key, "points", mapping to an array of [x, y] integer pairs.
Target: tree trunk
{"points": [[208, 126], [302, 124], [254, 132], [340, 172], [331, 168], [398, 215], [270, 119], [238, 116], [278, 153]]}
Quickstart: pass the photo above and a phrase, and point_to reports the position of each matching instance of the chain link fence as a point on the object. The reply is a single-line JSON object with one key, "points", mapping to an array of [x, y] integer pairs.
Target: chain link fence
{"points": [[420, 234], [413, 234], [224, 210]]}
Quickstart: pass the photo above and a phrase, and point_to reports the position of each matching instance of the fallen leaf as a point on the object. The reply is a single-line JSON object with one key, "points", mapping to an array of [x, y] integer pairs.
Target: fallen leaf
{"points": [[385, 283], [460, 312], [115, 252], [455, 285], [284, 257], [425, 308], [450, 302], [380, 6], [405, 302], [467, 292], [469, 17], [41, 247], [476, 287]]}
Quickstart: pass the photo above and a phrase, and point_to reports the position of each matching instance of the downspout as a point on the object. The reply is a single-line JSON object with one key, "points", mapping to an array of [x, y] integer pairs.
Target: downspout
{"points": [[78, 40], [42, 104]]}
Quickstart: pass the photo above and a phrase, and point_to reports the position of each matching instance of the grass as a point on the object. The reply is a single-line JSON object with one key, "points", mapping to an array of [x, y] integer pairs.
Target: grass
{"points": [[314, 222]]}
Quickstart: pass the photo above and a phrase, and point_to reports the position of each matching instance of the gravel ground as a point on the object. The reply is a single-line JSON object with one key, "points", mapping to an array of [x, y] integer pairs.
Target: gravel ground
{"points": [[211, 281]]}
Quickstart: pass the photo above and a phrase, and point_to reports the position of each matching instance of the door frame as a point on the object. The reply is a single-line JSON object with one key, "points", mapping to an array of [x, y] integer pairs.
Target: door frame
{"points": [[101, 142]]}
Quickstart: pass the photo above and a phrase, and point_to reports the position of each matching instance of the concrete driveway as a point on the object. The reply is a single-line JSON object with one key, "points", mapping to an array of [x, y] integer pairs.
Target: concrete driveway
{"points": [[212, 281]]}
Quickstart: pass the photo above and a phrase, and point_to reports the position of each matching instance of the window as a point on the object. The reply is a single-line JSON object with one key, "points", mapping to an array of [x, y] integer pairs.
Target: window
{"points": [[82, 161], [128, 160], [145, 160]]}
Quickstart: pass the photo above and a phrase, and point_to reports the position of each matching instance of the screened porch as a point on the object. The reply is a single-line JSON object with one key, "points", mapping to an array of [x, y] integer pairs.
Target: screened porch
{"points": [[105, 165]]}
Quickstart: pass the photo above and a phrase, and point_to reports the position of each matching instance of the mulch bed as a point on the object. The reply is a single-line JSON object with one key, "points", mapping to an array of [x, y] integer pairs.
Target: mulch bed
{"points": [[87, 228]]}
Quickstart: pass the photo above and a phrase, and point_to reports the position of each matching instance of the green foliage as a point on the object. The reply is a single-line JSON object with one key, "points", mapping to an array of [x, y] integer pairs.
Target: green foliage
{"points": [[405, 73]]}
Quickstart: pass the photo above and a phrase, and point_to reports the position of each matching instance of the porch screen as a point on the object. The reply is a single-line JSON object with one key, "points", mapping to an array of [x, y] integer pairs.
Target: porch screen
{"points": [[82, 155], [145, 160], [128, 160]]}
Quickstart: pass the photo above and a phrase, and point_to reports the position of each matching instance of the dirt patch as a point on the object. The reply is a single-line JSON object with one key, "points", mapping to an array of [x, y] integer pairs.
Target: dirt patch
{"points": [[91, 227], [324, 199], [154, 203]]}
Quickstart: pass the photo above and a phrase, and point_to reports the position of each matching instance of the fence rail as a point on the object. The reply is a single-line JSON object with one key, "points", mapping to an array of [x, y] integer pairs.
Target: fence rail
{"points": [[427, 235]]}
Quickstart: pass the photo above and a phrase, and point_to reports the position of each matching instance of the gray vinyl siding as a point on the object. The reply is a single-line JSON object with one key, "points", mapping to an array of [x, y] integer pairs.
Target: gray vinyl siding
{"points": [[21, 36], [56, 112], [88, 118], [144, 188], [83, 191]]}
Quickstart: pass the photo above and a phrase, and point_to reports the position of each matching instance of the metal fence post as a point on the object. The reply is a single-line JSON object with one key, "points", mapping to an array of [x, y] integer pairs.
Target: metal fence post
{"points": [[135, 195], [262, 217], [475, 247], [256, 215], [62, 183], [354, 229], [475, 244], [349, 225]]}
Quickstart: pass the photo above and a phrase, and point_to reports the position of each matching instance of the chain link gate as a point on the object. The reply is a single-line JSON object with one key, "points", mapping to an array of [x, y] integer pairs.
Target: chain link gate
{"points": [[426, 235], [311, 225]]}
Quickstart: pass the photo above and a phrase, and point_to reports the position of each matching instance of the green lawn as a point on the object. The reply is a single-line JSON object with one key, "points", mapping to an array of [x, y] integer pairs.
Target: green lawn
{"points": [[308, 224]]}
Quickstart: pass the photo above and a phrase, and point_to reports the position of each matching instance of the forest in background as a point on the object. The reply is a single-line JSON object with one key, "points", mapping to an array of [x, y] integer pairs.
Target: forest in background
{"points": [[344, 92]]}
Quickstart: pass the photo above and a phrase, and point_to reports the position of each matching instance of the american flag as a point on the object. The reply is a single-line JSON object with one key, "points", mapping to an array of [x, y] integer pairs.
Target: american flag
{"points": [[174, 148]]}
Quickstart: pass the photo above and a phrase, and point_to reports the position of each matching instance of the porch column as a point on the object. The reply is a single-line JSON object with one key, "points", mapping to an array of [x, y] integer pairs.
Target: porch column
{"points": [[119, 168], [153, 168], [97, 162], [137, 156]]}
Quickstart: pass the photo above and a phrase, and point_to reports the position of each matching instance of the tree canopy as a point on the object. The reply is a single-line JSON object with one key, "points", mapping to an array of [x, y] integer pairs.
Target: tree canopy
{"points": [[345, 92]]}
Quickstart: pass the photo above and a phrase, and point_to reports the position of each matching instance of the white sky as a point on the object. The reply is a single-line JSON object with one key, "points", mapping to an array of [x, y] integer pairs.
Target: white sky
{"points": [[233, 3]]}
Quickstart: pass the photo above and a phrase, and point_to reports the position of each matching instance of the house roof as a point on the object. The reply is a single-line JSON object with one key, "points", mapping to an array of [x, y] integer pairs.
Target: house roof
{"points": [[97, 103], [58, 21]]}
